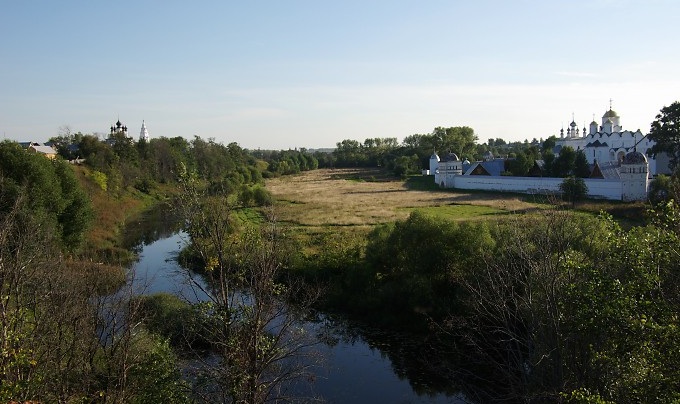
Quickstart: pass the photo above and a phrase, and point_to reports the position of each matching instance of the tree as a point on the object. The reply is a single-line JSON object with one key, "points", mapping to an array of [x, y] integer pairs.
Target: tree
{"points": [[165, 157], [349, 153], [549, 144], [405, 165], [573, 189], [66, 143], [245, 321], [520, 166], [581, 166], [54, 193], [458, 139], [512, 323], [663, 188], [549, 161], [665, 131], [565, 163]]}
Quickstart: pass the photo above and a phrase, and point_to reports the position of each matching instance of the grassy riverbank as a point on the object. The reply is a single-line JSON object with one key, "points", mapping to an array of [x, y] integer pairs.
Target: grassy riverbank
{"points": [[112, 210]]}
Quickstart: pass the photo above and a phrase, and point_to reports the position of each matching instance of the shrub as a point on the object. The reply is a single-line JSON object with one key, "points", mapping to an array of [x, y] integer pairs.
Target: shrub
{"points": [[262, 197], [100, 179]]}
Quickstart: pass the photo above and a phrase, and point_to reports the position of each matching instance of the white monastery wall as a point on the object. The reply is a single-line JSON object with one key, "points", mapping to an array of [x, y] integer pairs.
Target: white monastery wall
{"points": [[597, 188]]}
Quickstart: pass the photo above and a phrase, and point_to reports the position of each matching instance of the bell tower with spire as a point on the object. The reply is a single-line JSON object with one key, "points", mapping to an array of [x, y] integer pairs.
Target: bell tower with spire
{"points": [[144, 133]]}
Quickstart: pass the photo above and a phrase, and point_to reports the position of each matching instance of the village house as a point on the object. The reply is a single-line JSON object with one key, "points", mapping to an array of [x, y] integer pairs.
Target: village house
{"points": [[39, 148]]}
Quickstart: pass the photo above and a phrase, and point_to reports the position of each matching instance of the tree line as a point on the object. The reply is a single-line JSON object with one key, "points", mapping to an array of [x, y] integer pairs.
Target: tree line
{"points": [[121, 162], [413, 154]]}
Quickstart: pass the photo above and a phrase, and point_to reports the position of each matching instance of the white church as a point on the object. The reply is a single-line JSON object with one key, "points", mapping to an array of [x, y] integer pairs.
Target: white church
{"points": [[118, 129], [621, 169], [608, 143]]}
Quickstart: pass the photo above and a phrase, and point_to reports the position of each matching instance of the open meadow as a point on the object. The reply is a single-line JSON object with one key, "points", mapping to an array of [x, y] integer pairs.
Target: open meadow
{"points": [[366, 197]]}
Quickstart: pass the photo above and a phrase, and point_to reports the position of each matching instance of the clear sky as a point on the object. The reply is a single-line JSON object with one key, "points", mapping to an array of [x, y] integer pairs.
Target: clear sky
{"points": [[292, 73]]}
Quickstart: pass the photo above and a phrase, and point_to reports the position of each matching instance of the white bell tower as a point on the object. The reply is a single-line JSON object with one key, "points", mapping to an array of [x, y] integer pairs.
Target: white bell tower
{"points": [[144, 133]]}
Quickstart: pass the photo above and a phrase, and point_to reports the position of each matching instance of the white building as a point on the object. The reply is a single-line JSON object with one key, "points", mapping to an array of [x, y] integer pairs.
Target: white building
{"points": [[621, 170], [627, 180], [144, 133], [608, 143]]}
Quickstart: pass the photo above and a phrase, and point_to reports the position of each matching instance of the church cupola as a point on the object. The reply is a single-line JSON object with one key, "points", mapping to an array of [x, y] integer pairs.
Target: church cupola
{"points": [[613, 118], [593, 127], [607, 125], [118, 128], [434, 163], [572, 129]]}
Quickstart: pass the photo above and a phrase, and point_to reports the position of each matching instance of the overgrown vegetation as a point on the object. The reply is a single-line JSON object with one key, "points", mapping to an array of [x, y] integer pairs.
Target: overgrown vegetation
{"points": [[65, 336], [246, 321], [69, 330], [542, 308]]}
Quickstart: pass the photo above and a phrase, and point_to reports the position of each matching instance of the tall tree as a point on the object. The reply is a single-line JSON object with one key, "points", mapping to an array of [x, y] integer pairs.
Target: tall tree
{"points": [[665, 131], [245, 319], [574, 189], [581, 166], [564, 164], [520, 166], [549, 143], [459, 139]]}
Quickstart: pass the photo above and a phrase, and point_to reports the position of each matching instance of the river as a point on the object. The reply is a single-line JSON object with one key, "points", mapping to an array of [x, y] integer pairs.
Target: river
{"points": [[360, 364]]}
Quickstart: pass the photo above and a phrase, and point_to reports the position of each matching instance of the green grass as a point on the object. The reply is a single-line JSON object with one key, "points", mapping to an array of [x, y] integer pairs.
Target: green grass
{"points": [[461, 212], [422, 183], [249, 215]]}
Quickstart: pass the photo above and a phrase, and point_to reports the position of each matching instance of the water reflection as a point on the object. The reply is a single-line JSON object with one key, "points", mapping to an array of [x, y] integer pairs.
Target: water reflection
{"points": [[361, 364], [366, 364], [157, 224]]}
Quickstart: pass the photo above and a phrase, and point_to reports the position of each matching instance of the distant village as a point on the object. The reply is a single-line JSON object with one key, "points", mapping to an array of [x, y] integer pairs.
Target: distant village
{"points": [[117, 130]]}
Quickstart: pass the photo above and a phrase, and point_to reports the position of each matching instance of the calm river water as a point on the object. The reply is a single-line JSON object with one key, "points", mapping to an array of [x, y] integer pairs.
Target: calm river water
{"points": [[359, 365]]}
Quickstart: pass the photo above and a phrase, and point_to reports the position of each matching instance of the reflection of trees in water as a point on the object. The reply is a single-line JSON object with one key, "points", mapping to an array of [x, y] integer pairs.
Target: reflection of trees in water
{"points": [[152, 225], [422, 360]]}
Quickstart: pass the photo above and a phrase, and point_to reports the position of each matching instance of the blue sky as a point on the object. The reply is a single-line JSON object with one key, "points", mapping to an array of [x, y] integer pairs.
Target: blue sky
{"points": [[286, 74]]}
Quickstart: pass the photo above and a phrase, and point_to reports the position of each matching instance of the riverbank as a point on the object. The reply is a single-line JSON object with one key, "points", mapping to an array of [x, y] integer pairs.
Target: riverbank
{"points": [[105, 239]]}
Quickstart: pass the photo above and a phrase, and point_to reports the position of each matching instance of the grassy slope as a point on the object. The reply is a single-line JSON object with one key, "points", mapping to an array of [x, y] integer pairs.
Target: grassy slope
{"points": [[111, 212]]}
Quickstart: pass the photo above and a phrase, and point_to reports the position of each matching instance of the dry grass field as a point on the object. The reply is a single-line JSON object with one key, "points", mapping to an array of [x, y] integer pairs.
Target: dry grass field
{"points": [[357, 198]]}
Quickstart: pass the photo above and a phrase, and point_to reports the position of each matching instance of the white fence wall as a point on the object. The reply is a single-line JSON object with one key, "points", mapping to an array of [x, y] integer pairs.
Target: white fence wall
{"points": [[597, 188]]}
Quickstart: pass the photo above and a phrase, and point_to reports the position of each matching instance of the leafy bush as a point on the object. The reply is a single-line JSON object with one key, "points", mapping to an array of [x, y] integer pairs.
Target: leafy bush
{"points": [[172, 318], [100, 179], [262, 197]]}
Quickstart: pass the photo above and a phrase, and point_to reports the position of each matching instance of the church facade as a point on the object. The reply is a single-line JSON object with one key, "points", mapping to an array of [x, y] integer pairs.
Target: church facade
{"points": [[608, 142]]}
